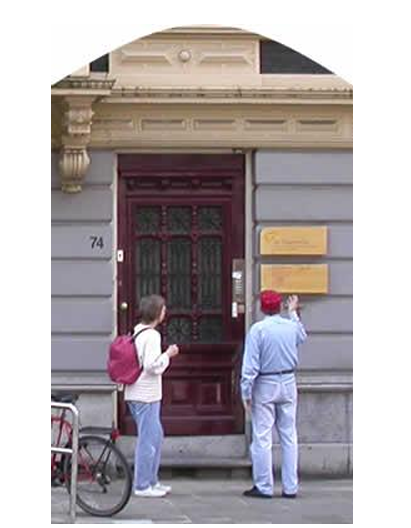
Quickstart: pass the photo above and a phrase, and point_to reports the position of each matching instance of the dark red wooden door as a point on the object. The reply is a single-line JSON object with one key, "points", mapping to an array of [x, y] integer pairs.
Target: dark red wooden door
{"points": [[181, 225]]}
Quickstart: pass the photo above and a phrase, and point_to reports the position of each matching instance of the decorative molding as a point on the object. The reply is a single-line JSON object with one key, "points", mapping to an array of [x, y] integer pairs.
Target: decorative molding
{"points": [[211, 142], [231, 126], [185, 55], [163, 124], [77, 117], [222, 57], [134, 63], [72, 115], [231, 95], [76, 126], [279, 125], [56, 128], [196, 87], [214, 124], [94, 84], [144, 57], [148, 182], [113, 123], [317, 125], [73, 166]]}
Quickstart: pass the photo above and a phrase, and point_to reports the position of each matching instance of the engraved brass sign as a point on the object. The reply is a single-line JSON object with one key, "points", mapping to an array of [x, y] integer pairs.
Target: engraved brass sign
{"points": [[295, 278], [310, 240]]}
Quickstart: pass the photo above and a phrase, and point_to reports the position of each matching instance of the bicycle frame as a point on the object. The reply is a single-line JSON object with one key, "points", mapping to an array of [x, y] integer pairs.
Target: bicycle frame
{"points": [[93, 467], [89, 473], [65, 429]]}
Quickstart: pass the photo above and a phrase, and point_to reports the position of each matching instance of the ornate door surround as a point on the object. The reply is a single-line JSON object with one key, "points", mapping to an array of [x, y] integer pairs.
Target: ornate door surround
{"points": [[181, 225]]}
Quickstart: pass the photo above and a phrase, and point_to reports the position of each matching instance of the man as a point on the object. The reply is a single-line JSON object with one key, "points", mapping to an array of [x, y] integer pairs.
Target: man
{"points": [[269, 392]]}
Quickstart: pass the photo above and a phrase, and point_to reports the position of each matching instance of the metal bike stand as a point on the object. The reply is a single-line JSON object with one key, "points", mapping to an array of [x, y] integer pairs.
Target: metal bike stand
{"points": [[93, 388], [74, 455]]}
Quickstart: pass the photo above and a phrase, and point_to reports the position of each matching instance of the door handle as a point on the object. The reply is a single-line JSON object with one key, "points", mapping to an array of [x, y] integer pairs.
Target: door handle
{"points": [[124, 306]]}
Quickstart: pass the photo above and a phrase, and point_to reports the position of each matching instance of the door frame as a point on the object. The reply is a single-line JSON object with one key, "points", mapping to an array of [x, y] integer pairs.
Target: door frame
{"points": [[122, 210], [249, 216], [249, 235]]}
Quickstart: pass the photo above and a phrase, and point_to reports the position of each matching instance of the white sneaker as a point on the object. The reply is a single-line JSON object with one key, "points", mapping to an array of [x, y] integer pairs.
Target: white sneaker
{"points": [[149, 493], [162, 487]]}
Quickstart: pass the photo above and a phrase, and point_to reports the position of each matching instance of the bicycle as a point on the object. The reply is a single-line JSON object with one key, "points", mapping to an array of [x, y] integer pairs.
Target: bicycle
{"points": [[104, 479]]}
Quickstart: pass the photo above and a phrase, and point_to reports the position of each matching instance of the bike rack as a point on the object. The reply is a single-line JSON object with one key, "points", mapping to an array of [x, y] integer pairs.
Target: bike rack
{"points": [[74, 455], [97, 388]]}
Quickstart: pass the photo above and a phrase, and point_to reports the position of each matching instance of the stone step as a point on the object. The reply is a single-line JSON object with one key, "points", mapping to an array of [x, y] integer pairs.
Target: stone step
{"points": [[227, 457], [199, 456], [194, 447], [206, 462], [205, 467]]}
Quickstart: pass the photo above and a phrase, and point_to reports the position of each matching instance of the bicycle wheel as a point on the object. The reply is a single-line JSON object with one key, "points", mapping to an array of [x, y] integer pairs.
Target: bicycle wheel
{"points": [[104, 477]]}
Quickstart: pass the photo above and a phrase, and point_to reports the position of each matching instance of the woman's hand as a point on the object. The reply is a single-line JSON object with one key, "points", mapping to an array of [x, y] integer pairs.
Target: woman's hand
{"points": [[172, 351]]}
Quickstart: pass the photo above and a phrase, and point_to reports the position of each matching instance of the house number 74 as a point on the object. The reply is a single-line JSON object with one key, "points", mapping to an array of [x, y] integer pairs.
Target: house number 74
{"points": [[96, 242]]}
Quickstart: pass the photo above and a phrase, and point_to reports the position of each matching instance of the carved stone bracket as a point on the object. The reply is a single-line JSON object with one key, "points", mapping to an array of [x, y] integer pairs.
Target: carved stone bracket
{"points": [[76, 124], [73, 166]]}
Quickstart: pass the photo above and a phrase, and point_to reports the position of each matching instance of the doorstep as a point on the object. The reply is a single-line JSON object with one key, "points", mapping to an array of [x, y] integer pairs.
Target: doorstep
{"points": [[205, 467]]}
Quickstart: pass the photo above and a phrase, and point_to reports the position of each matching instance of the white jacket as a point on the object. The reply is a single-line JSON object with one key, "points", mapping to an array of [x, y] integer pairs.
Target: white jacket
{"points": [[148, 387]]}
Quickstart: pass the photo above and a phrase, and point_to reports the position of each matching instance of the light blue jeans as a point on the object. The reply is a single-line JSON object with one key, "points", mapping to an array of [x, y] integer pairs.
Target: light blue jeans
{"points": [[274, 403], [148, 445]]}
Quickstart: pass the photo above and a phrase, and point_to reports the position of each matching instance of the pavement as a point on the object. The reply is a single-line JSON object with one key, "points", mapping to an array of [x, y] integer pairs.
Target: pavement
{"points": [[206, 501]]}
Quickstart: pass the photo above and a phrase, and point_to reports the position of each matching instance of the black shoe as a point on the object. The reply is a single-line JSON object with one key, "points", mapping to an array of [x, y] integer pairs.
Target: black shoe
{"points": [[289, 495], [255, 492]]}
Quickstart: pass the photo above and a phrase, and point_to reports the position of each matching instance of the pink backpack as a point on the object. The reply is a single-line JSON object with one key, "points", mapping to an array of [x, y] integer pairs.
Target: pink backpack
{"points": [[122, 364]]}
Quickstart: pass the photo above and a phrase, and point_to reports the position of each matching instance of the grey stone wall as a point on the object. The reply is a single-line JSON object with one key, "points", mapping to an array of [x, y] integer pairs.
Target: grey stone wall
{"points": [[290, 188], [82, 276], [312, 188], [315, 188]]}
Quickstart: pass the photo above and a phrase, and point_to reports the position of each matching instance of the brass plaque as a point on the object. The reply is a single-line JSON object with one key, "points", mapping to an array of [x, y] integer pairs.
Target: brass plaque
{"points": [[310, 240], [295, 278]]}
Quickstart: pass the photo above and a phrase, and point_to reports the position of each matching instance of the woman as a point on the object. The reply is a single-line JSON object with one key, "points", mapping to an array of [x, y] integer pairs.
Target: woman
{"points": [[144, 398]]}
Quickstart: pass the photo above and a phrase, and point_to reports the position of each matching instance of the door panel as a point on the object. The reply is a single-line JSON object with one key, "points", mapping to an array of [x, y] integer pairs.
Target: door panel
{"points": [[181, 224]]}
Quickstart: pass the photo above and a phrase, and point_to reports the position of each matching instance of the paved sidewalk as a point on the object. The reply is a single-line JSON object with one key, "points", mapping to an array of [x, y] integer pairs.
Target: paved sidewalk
{"points": [[221, 501]]}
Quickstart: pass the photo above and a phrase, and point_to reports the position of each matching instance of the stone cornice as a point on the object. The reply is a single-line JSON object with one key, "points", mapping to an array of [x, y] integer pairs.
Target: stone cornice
{"points": [[206, 31], [226, 126], [270, 111], [212, 95], [87, 85], [269, 89], [232, 95]]}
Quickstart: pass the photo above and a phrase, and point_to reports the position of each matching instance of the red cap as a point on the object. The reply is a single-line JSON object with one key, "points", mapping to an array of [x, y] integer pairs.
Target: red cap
{"points": [[270, 302]]}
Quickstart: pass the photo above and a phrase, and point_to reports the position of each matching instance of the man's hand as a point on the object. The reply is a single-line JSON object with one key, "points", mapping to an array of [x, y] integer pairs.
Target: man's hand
{"points": [[247, 405], [293, 303]]}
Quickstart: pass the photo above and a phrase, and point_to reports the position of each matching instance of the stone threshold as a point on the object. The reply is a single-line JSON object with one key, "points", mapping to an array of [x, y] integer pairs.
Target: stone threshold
{"points": [[205, 462], [206, 468]]}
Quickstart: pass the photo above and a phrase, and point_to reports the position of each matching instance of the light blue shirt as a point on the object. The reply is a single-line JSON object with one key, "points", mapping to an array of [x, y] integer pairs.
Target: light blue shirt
{"points": [[271, 345]]}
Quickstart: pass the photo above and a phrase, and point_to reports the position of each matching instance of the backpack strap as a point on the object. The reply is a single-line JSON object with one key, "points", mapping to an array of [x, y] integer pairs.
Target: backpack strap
{"points": [[134, 337]]}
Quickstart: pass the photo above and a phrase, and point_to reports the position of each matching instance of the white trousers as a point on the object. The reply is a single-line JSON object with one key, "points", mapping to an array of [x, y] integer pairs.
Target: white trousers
{"points": [[274, 403]]}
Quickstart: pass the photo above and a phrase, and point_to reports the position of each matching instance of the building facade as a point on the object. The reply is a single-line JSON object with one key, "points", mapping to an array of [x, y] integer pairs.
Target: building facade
{"points": [[204, 164]]}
